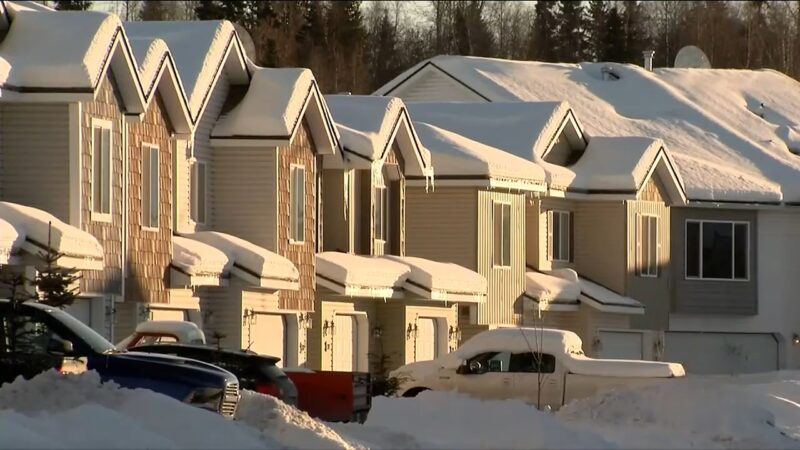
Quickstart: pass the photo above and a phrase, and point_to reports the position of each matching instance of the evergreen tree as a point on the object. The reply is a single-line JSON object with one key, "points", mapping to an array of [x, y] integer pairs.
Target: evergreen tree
{"points": [[209, 10], [57, 287], [613, 39], [634, 26], [72, 5], [570, 31], [153, 10], [383, 64], [542, 41], [596, 29]]}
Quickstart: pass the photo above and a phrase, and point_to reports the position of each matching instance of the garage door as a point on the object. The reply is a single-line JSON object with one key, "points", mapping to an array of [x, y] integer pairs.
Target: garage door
{"points": [[621, 345], [81, 309], [268, 336], [168, 314], [722, 353], [345, 343], [427, 343]]}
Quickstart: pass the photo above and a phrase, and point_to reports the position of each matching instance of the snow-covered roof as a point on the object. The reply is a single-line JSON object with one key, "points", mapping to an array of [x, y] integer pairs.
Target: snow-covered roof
{"points": [[442, 281], [600, 297], [368, 125], [197, 263], [66, 52], [25, 5], [79, 249], [252, 263], [276, 102], [457, 158], [551, 293], [716, 159], [202, 49], [10, 241], [361, 276]]}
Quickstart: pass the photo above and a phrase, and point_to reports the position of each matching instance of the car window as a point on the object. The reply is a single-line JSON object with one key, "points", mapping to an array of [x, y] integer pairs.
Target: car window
{"points": [[494, 361], [22, 333], [148, 340], [532, 362]]}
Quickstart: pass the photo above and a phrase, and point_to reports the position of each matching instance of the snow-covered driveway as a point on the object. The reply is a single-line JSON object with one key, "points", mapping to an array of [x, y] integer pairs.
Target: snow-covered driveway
{"points": [[76, 411]]}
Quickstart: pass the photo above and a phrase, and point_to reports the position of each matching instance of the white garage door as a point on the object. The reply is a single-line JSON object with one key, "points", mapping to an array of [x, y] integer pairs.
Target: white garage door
{"points": [[345, 343], [427, 343], [81, 309], [621, 345], [722, 353], [268, 336], [168, 314]]}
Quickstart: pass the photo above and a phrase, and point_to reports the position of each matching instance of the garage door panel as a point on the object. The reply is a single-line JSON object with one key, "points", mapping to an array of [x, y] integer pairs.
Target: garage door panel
{"points": [[722, 353], [345, 343], [268, 336], [426, 344], [621, 345]]}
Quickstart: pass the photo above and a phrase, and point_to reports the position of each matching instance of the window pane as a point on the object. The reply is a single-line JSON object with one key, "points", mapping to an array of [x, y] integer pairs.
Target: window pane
{"points": [[379, 213], [201, 192], [556, 235], [717, 250], [146, 187], [297, 201], [497, 225], [97, 169], [653, 245], [565, 243], [644, 245], [507, 235], [153, 187], [106, 172], [740, 255], [692, 249]]}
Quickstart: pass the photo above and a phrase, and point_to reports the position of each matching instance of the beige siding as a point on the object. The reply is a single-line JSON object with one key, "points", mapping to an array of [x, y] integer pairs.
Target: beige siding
{"points": [[391, 316], [442, 225], [222, 315], [34, 144], [505, 284], [107, 105], [600, 243], [533, 244], [654, 293], [246, 184], [149, 251], [434, 85]]}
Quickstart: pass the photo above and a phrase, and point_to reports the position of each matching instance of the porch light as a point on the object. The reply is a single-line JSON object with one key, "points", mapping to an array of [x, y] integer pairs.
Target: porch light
{"points": [[327, 327], [377, 331], [795, 339], [248, 316], [305, 320], [411, 330], [454, 333]]}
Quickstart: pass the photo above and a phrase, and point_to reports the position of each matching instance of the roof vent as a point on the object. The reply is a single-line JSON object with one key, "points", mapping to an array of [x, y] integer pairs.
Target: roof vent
{"points": [[608, 74], [648, 59]]}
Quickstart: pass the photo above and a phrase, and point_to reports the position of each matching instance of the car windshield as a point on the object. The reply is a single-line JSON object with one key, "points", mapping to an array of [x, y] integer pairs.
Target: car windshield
{"points": [[97, 342]]}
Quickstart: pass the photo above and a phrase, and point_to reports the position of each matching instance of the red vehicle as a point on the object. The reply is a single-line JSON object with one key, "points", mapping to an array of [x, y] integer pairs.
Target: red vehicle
{"points": [[328, 396]]}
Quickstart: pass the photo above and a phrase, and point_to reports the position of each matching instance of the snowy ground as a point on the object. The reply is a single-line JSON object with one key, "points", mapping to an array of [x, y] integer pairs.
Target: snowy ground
{"points": [[76, 411]]}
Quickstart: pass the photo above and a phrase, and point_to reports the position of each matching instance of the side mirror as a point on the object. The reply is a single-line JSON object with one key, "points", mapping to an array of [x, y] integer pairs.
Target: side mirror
{"points": [[60, 347]]}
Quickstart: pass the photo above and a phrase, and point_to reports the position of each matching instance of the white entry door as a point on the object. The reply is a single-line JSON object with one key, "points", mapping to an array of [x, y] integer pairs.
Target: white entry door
{"points": [[427, 341], [621, 345], [268, 336], [345, 343], [168, 314]]}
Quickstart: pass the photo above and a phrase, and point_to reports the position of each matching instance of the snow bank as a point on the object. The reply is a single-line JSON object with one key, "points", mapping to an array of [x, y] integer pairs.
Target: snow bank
{"points": [[367, 273], [449, 420], [548, 288], [54, 410], [442, 281], [10, 240], [197, 258]]}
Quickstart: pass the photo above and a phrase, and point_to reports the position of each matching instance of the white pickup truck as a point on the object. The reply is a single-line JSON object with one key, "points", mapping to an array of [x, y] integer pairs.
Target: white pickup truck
{"points": [[504, 363]]}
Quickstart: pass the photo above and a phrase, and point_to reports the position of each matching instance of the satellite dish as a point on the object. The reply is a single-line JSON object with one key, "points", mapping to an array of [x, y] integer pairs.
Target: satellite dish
{"points": [[247, 42], [691, 57]]}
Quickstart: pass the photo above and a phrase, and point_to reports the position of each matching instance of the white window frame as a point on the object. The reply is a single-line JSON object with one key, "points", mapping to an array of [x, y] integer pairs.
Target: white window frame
{"points": [[380, 196], [102, 216], [699, 276], [195, 195], [642, 260], [147, 153], [563, 253], [503, 257], [292, 219]]}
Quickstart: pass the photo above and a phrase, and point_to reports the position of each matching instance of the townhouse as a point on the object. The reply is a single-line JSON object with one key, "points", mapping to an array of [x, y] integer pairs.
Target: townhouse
{"points": [[378, 306], [736, 167]]}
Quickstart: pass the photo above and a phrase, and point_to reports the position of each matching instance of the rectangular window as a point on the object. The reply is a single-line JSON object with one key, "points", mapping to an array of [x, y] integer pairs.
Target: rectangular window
{"points": [[101, 167], [648, 245], [381, 214], [199, 189], [150, 186], [501, 222], [560, 235], [297, 203], [717, 250]]}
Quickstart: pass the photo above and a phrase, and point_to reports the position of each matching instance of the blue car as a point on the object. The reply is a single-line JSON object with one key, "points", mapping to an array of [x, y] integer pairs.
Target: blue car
{"points": [[35, 338]]}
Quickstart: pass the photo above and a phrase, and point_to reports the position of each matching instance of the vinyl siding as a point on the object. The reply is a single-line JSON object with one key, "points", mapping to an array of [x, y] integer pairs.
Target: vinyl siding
{"points": [[222, 315], [505, 284], [442, 225], [34, 144], [149, 252], [431, 84], [107, 105], [654, 293], [707, 296], [600, 243]]}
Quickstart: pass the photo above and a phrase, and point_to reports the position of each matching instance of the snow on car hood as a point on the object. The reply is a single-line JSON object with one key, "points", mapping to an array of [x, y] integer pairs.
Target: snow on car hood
{"points": [[581, 365]]}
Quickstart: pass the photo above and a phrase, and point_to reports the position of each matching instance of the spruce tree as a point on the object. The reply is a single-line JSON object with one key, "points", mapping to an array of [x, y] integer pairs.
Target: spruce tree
{"points": [[153, 10], [570, 31], [542, 41], [635, 31], [383, 64], [72, 5], [613, 44], [596, 29], [57, 287]]}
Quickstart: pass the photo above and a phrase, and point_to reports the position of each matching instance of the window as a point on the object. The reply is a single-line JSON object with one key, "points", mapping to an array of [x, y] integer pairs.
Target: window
{"points": [[297, 203], [199, 189], [648, 246], [150, 186], [717, 250], [501, 218], [381, 214], [559, 230], [526, 362], [101, 168]]}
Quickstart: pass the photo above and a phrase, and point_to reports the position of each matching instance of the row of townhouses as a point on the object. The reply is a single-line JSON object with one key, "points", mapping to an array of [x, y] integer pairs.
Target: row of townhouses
{"points": [[645, 210]]}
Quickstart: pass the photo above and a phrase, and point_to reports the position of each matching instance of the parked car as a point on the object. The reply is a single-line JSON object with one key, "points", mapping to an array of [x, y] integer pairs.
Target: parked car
{"points": [[329, 396], [35, 338], [520, 362]]}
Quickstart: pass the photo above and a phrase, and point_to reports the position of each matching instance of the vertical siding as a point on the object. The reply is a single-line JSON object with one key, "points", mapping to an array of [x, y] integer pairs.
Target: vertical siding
{"points": [[222, 315], [391, 316], [34, 144], [434, 85], [149, 252], [246, 185], [505, 284], [442, 225], [107, 105], [654, 293], [533, 246], [302, 151], [600, 243]]}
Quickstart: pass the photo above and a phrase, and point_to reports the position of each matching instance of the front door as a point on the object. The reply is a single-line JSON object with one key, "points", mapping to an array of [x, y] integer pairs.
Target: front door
{"points": [[268, 336], [427, 341], [345, 343]]}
